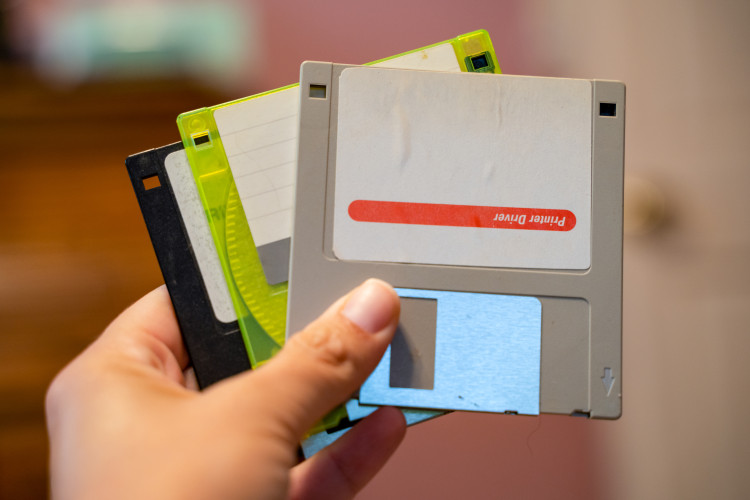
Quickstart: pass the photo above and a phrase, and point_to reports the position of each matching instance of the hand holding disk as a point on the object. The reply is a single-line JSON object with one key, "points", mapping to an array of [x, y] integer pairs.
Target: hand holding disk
{"points": [[124, 422]]}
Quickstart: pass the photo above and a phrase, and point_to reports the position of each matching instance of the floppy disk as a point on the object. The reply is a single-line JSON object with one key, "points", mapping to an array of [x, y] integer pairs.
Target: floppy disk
{"points": [[494, 205], [166, 192], [243, 155]]}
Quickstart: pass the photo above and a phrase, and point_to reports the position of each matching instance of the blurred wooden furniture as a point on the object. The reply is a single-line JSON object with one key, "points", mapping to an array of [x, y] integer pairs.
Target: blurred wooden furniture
{"points": [[74, 250]]}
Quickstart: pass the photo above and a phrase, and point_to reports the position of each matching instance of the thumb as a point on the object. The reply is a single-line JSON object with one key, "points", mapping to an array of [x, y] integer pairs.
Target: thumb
{"points": [[324, 364]]}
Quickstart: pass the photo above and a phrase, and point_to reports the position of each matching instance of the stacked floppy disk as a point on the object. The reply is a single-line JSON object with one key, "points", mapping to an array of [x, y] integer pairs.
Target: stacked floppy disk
{"points": [[492, 203]]}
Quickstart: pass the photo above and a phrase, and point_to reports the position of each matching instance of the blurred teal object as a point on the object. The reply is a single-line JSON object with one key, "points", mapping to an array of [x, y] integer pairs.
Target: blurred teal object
{"points": [[210, 42]]}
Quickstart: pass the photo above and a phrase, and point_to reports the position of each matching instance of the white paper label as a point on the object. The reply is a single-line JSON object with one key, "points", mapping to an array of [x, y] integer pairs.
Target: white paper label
{"points": [[260, 140], [463, 169], [438, 58], [196, 224]]}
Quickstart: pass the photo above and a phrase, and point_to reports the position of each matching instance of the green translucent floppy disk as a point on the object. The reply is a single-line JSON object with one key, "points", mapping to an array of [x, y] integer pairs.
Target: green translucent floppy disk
{"points": [[243, 158]]}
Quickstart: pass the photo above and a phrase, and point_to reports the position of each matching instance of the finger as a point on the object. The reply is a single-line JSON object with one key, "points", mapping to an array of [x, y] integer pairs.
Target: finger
{"points": [[148, 332], [144, 339], [347, 465], [321, 366]]}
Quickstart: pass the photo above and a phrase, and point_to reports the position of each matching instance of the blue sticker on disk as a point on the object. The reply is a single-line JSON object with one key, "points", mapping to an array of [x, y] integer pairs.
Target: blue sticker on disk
{"points": [[487, 351]]}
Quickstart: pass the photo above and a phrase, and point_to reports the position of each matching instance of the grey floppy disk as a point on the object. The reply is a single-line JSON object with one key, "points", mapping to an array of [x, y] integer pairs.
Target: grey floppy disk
{"points": [[493, 204]]}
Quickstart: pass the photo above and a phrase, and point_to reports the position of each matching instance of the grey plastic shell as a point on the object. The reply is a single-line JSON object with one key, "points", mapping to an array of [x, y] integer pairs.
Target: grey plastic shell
{"points": [[581, 310]]}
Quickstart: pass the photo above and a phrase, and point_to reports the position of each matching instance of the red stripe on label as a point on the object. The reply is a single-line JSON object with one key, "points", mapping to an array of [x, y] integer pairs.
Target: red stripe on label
{"points": [[435, 214]]}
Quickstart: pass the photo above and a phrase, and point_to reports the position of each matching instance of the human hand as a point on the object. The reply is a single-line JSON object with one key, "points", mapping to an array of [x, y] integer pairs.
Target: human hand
{"points": [[123, 422]]}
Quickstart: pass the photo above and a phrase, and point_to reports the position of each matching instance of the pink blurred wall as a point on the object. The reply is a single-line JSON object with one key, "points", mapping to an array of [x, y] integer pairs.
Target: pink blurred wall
{"points": [[358, 32]]}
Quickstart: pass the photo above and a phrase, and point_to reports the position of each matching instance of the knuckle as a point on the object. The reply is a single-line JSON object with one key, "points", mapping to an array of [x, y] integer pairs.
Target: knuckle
{"points": [[325, 343], [55, 394]]}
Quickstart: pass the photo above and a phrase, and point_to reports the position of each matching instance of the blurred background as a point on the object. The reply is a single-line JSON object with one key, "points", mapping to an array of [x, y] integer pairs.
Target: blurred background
{"points": [[84, 84]]}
